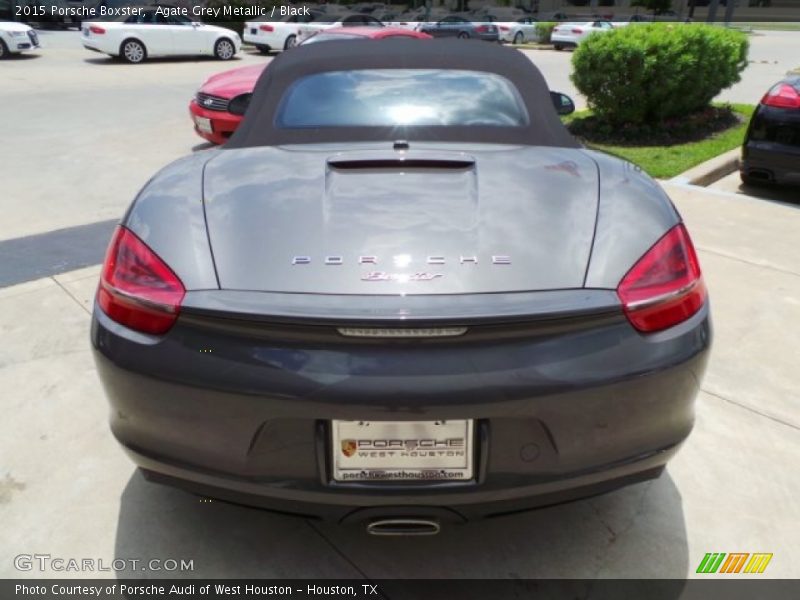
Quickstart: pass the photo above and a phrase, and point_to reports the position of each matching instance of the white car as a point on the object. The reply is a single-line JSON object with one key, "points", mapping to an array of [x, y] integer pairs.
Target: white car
{"points": [[572, 34], [520, 31], [276, 36], [151, 33], [351, 20], [15, 38]]}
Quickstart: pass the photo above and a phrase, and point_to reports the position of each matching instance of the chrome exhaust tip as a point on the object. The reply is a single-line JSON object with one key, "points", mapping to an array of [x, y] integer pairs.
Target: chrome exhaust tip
{"points": [[403, 526]]}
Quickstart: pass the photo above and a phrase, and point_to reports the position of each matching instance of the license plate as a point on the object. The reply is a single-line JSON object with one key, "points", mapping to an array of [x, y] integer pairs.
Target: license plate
{"points": [[253, 30], [402, 450], [204, 124]]}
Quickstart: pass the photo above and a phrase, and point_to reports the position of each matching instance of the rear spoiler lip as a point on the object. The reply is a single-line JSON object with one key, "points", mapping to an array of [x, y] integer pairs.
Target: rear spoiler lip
{"points": [[332, 309], [401, 163]]}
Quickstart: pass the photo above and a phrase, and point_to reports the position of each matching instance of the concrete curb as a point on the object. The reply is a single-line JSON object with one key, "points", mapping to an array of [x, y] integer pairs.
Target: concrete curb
{"points": [[531, 46], [710, 171]]}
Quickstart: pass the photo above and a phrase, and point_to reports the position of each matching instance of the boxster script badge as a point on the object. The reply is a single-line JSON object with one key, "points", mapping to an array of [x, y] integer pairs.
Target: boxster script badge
{"points": [[401, 277]]}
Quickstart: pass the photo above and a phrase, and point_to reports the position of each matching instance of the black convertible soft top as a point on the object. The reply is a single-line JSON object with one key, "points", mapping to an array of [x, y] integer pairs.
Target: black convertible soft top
{"points": [[258, 127]]}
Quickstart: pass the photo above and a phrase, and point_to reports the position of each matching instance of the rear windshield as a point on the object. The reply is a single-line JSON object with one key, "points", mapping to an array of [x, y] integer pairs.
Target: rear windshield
{"points": [[401, 97]]}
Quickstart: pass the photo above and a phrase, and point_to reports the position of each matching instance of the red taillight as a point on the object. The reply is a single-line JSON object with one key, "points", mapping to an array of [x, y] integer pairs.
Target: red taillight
{"points": [[97, 30], [482, 28], [665, 286], [137, 288], [267, 28], [782, 95], [576, 30], [504, 28]]}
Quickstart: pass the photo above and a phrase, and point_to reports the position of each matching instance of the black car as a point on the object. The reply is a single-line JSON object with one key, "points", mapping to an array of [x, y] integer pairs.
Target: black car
{"points": [[771, 150], [459, 27], [402, 293]]}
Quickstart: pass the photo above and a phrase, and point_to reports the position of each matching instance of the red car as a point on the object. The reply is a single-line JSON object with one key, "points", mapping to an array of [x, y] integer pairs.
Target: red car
{"points": [[221, 101]]}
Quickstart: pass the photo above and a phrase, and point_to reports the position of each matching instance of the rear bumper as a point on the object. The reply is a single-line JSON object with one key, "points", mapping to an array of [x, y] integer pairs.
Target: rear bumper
{"points": [[347, 507], [274, 41], [772, 162], [90, 44], [563, 40], [557, 417]]}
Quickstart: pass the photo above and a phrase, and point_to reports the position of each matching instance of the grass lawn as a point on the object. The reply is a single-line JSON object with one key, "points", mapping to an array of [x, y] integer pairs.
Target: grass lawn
{"points": [[668, 161]]}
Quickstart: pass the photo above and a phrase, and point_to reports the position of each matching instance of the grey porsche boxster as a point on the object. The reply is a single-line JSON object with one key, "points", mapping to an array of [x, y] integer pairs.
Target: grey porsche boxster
{"points": [[401, 295]]}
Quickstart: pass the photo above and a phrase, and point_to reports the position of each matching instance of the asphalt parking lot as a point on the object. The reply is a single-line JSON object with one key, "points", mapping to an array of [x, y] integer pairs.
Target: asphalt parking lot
{"points": [[87, 133]]}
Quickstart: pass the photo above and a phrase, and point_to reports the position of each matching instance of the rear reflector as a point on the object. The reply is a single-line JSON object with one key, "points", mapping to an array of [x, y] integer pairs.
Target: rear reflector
{"points": [[665, 287], [267, 28], [782, 95], [97, 30], [137, 289]]}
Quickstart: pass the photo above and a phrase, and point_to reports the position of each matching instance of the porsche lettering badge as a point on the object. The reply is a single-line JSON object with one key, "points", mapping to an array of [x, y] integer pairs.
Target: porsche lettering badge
{"points": [[401, 260]]}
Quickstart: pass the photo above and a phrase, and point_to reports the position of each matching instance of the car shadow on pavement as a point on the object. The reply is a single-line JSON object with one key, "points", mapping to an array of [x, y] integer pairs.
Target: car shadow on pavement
{"points": [[787, 195], [636, 532], [21, 56], [106, 60], [203, 146]]}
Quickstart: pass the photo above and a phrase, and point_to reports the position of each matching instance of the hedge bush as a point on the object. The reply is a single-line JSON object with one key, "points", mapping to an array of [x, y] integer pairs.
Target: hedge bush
{"points": [[544, 30], [648, 73]]}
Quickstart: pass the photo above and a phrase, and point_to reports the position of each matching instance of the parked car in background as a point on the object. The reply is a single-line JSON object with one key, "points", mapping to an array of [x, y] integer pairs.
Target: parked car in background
{"points": [[346, 20], [771, 150], [277, 36], [516, 32], [151, 34], [16, 38], [221, 101], [459, 27], [572, 34]]}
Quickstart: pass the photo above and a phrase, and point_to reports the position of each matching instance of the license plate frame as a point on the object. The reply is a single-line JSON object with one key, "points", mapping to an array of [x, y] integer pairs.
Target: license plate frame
{"points": [[204, 124], [402, 451]]}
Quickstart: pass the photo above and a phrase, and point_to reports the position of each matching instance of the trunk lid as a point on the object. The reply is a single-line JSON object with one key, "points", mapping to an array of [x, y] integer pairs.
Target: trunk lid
{"points": [[372, 220]]}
